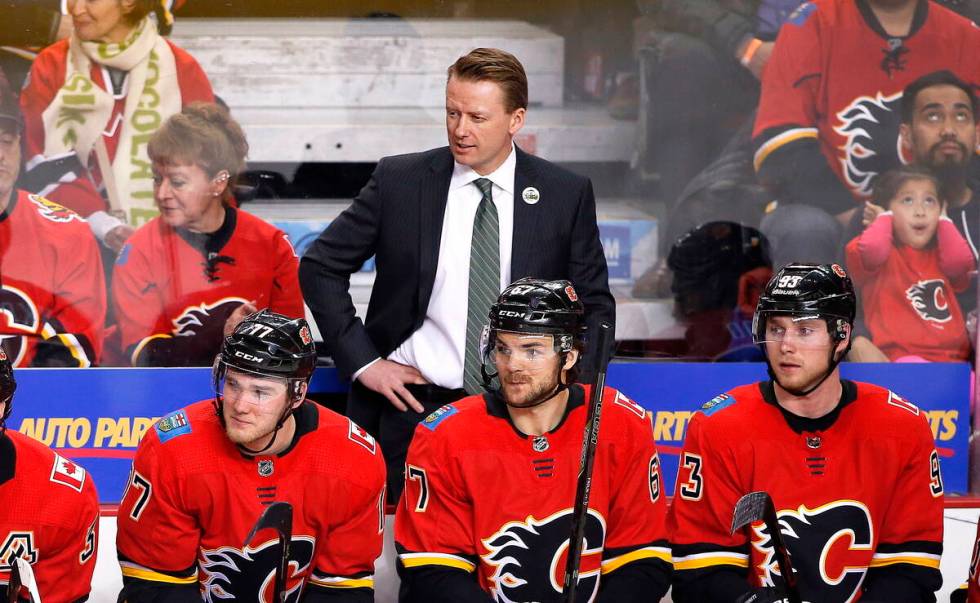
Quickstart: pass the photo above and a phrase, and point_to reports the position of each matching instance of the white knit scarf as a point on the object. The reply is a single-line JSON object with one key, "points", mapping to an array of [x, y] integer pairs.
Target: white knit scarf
{"points": [[80, 112]]}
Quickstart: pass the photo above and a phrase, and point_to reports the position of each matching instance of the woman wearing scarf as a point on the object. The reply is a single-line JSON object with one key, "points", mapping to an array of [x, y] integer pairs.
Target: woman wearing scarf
{"points": [[186, 278], [91, 104]]}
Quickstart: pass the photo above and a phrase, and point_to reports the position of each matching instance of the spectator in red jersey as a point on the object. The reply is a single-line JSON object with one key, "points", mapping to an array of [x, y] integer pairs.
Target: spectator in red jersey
{"points": [[81, 146], [829, 112], [52, 288], [906, 265], [187, 277]]}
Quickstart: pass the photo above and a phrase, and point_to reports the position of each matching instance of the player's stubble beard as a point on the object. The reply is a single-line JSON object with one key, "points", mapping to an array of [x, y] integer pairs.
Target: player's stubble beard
{"points": [[259, 429], [536, 394]]}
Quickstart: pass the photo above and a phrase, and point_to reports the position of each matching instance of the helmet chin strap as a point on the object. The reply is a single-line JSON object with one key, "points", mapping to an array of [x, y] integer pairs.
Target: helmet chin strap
{"points": [[275, 433]]}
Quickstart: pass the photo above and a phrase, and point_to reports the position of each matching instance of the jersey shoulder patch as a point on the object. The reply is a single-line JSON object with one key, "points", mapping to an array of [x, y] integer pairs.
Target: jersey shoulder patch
{"points": [[50, 210], [358, 435], [441, 414], [900, 402], [630, 405], [67, 473], [173, 425], [717, 403]]}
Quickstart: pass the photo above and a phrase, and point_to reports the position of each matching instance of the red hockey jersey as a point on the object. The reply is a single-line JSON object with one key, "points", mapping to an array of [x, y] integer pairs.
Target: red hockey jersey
{"points": [[76, 189], [168, 289], [908, 299], [857, 492], [52, 285], [50, 518], [193, 497], [837, 77], [480, 496]]}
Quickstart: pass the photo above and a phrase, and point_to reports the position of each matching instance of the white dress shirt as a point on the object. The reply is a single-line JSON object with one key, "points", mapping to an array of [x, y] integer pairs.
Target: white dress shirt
{"points": [[437, 348]]}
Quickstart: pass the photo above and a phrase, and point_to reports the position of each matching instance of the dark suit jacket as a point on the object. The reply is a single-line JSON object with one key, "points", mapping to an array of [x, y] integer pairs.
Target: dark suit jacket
{"points": [[398, 216]]}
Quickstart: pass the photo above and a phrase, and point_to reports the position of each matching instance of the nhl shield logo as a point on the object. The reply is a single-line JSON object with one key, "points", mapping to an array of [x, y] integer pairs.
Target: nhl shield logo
{"points": [[540, 444], [266, 468]]}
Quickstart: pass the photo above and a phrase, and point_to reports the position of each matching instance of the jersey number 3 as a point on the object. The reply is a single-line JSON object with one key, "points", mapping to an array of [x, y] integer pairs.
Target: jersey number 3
{"points": [[692, 488]]}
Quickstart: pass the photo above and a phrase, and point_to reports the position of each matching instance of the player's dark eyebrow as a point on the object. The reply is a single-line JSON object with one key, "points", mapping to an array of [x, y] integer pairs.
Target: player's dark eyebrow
{"points": [[934, 106]]}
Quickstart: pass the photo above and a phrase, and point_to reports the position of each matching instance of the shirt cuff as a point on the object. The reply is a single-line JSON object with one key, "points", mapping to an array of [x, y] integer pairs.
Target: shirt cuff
{"points": [[102, 223], [358, 372]]}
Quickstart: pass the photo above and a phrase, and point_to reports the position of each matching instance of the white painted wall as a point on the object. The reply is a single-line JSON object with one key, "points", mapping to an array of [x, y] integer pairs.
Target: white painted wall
{"points": [[960, 526]]}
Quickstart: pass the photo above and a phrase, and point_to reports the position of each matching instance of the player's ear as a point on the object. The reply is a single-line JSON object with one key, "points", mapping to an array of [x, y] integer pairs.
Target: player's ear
{"points": [[843, 343], [299, 394], [570, 359]]}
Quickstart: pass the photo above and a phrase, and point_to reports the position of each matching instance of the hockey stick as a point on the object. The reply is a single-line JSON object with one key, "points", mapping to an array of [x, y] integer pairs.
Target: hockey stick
{"points": [[13, 586], [21, 578], [279, 517], [757, 506], [583, 487]]}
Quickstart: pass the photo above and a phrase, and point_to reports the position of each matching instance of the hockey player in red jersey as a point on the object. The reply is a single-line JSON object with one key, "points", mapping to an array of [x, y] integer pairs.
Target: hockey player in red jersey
{"points": [[490, 480], [204, 474], [851, 467], [52, 289], [50, 511]]}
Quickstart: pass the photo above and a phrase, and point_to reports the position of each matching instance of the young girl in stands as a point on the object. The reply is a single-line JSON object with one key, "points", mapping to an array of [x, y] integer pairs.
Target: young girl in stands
{"points": [[907, 264]]}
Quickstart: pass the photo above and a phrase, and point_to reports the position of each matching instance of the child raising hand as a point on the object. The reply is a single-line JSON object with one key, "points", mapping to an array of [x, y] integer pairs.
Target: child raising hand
{"points": [[906, 266]]}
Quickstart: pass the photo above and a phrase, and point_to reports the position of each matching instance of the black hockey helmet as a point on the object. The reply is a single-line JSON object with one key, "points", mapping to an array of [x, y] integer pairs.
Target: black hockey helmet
{"points": [[536, 307], [267, 344], [540, 307], [7, 387], [812, 290], [822, 291], [270, 345]]}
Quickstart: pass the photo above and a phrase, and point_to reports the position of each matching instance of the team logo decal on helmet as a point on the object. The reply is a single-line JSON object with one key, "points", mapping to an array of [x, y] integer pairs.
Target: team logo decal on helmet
{"points": [[304, 335], [831, 545], [233, 574], [528, 558], [838, 270]]}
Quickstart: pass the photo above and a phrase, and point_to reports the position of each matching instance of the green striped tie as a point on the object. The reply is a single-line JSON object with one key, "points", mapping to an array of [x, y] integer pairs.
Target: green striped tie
{"points": [[484, 283]]}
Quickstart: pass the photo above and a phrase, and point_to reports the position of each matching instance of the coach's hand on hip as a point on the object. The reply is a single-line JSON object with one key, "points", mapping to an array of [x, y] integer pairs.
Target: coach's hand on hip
{"points": [[389, 379]]}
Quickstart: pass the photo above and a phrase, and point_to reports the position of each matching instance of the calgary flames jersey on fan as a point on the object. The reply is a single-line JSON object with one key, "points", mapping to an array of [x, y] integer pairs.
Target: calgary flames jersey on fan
{"points": [[50, 518], [861, 495], [837, 77], [193, 497], [172, 295], [482, 497], [52, 290], [910, 304]]}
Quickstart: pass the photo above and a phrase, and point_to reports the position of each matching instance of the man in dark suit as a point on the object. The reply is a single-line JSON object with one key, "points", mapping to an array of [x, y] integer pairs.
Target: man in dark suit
{"points": [[449, 229]]}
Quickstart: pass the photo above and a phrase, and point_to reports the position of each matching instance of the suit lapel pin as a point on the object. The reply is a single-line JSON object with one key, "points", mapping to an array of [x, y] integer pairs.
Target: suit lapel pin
{"points": [[531, 195]]}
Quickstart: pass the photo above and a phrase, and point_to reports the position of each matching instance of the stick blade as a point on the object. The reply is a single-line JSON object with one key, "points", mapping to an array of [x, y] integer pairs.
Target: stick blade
{"points": [[750, 508], [278, 516]]}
